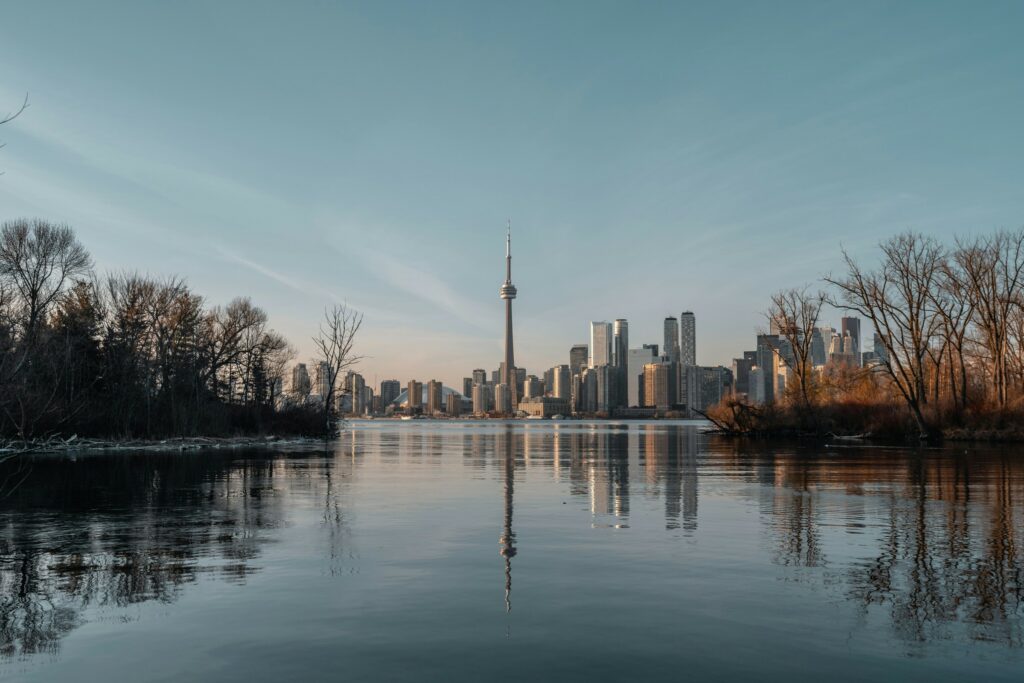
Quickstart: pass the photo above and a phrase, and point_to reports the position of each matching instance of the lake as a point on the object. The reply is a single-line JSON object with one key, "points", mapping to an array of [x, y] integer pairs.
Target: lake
{"points": [[532, 550]]}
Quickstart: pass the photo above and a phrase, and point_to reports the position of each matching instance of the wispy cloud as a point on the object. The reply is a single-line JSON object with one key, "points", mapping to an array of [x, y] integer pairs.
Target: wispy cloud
{"points": [[407, 277]]}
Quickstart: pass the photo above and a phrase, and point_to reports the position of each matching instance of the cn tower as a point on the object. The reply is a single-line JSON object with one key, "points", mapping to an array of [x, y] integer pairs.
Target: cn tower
{"points": [[508, 292]]}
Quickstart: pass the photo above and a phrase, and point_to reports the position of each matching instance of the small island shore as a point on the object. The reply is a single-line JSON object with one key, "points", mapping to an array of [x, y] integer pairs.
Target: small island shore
{"points": [[74, 444]]}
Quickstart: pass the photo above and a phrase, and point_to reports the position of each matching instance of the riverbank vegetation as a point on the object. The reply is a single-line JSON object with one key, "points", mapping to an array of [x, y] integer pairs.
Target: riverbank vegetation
{"points": [[948, 328], [127, 355]]}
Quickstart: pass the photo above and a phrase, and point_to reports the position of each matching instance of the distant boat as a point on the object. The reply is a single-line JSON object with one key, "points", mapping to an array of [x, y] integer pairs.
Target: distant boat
{"points": [[558, 417], [405, 417]]}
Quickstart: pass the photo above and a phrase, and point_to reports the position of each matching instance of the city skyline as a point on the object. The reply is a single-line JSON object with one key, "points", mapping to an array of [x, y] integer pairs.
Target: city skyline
{"points": [[687, 172]]}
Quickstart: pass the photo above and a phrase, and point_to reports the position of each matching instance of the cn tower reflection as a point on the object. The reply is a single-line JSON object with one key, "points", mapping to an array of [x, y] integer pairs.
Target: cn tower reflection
{"points": [[508, 537]]}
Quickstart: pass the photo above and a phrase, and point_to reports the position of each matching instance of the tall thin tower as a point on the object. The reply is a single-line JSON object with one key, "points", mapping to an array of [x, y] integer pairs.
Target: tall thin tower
{"points": [[508, 292]]}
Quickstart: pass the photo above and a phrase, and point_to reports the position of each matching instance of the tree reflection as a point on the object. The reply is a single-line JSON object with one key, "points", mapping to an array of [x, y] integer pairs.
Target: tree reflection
{"points": [[114, 531], [929, 542]]}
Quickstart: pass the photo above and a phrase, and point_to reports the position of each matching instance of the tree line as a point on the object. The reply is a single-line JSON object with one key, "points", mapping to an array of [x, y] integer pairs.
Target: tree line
{"points": [[949, 320], [128, 355]]}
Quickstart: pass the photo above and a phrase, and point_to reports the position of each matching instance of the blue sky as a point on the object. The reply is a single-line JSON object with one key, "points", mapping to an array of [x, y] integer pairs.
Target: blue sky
{"points": [[653, 157]]}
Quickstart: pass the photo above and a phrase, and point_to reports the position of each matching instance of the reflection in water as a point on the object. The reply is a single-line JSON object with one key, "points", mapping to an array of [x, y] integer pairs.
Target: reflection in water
{"points": [[508, 536], [927, 542], [100, 532]]}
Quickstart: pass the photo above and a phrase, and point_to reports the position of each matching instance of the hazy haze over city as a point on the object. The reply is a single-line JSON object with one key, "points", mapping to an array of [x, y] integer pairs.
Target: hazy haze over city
{"points": [[652, 158]]}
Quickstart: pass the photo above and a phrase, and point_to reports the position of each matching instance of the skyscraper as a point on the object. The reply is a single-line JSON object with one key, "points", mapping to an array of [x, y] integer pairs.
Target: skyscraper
{"points": [[503, 399], [434, 397], [390, 390], [324, 381], [600, 344], [687, 339], [356, 387], [818, 350], [508, 292], [851, 327], [578, 357], [483, 398], [479, 376], [671, 346], [300, 379], [563, 382], [656, 385], [620, 342], [414, 396], [620, 359]]}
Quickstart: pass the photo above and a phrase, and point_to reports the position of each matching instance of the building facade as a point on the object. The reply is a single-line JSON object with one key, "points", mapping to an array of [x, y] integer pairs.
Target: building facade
{"points": [[635, 362], [600, 344], [434, 397], [670, 345], [687, 339], [390, 389], [414, 397], [579, 356], [656, 386]]}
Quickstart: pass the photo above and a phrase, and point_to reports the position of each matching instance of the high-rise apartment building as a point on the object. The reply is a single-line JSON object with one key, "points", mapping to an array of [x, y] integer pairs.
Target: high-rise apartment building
{"points": [[390, 389], [467, 387], [300, 380], [670, 347], [453, 405], [479, 376], [434, 397], [687, 339], [324, 380], [600, 344], [563, 382], [414, 396], [503, 399], [706, 386], [483, 398], [355, 385]]}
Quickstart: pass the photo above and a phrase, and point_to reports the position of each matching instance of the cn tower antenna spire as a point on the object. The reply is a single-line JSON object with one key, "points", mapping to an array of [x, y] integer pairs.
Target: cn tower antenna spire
{"points": [[508, 293]]}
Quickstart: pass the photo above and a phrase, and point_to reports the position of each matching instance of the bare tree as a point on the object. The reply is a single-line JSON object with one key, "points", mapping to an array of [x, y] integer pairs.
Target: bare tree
{"points": [[993, 273], [11, 116], [897, 299], [335, 344], [40, 259], [794, 315], [955, 307]]}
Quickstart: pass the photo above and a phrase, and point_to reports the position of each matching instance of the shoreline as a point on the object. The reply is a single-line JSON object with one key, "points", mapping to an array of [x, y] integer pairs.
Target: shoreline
{"points": [[75, 445]]}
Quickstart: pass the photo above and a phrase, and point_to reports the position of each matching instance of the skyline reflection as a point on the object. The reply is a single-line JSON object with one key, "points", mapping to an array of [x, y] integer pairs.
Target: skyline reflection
{"points": [[927, 542]]}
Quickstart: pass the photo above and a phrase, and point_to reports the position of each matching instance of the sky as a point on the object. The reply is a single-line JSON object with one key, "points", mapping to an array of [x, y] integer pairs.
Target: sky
{"points": [[652, 157]]}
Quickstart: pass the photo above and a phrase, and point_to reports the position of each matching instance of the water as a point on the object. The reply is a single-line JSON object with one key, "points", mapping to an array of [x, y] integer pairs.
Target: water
{"points": [[532, 551]]}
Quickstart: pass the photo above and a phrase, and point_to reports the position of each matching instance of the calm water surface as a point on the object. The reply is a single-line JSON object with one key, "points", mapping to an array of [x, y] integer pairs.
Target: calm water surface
{"points": [[526, 551]]}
